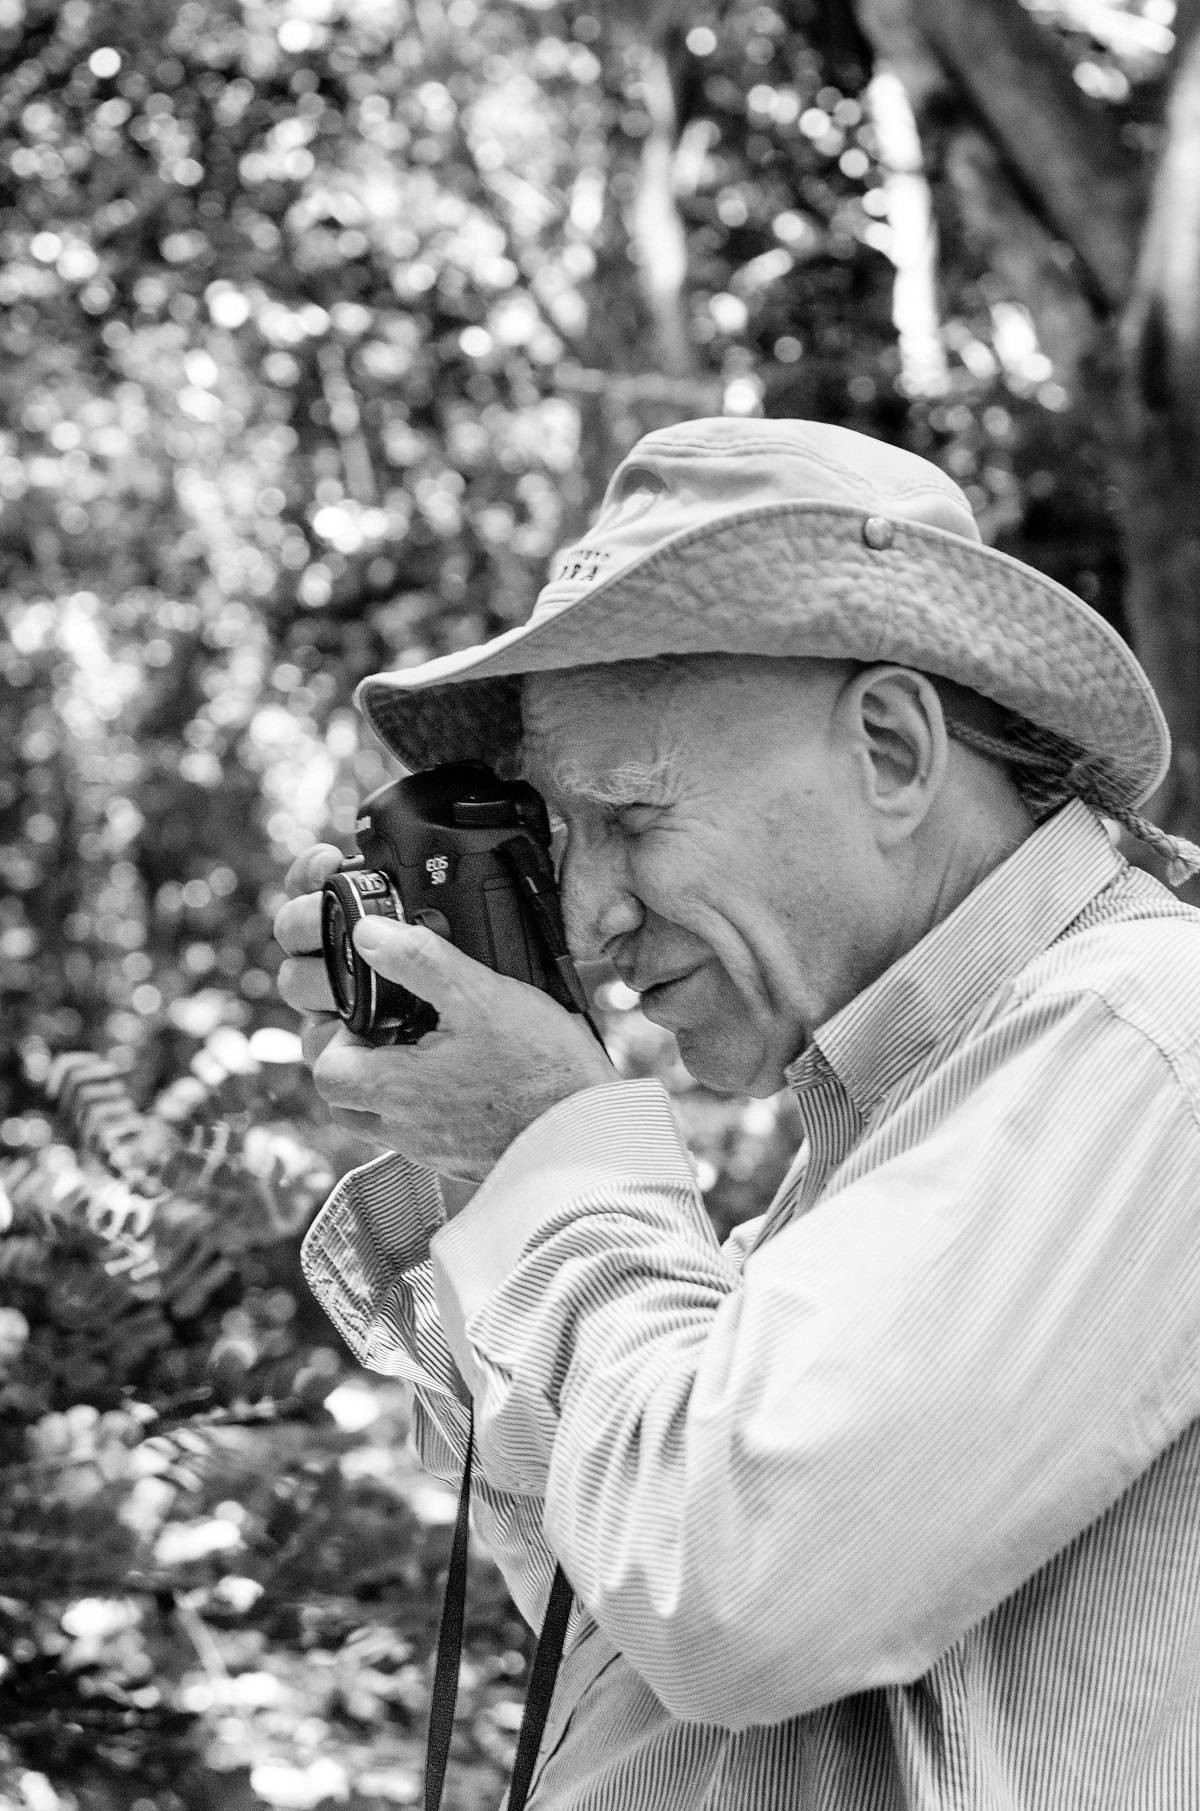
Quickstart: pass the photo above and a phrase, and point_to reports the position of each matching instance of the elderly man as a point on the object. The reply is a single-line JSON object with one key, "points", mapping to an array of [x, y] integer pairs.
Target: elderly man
{"points": [[894, 1500]]}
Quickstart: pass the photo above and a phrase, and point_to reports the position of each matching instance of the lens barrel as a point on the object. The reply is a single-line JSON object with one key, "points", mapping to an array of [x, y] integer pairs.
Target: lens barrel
{"points": [[369, 1004]]}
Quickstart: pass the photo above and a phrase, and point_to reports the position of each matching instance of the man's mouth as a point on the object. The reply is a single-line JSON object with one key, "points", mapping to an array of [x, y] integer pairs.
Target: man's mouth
{"points": [[658, 992], [644, 980]]}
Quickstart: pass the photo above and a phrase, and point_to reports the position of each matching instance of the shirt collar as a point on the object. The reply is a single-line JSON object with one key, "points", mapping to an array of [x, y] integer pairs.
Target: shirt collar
{"points": [[1003, 923]]}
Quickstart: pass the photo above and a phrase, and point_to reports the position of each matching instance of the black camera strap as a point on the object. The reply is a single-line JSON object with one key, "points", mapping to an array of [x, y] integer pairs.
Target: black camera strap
{"points": [[520, 854], [542, 1673], [449, 1642]]}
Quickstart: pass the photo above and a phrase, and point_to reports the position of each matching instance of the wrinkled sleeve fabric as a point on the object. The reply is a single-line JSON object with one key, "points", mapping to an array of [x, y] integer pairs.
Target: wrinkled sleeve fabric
{"points": [[366, 1259], [777, 1488]]}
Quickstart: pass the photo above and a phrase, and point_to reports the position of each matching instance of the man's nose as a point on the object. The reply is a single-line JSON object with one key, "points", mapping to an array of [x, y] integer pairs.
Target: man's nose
{"points": [[599, 907]]}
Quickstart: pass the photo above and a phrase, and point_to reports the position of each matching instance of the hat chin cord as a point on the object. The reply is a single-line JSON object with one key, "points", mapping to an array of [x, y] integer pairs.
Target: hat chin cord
{"points": [[1048, 770]]}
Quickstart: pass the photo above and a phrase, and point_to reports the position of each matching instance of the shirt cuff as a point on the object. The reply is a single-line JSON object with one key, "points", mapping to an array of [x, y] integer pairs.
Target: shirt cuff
{"points": [[376, 1224], [618, 1132]]}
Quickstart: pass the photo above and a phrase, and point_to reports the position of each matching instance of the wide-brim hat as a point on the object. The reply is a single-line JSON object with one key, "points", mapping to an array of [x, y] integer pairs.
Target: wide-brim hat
{"points": [[791, 538]]}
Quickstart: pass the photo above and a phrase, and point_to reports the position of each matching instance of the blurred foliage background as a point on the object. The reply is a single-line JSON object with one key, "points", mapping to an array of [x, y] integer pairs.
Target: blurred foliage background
{"points": [[321, 324]]}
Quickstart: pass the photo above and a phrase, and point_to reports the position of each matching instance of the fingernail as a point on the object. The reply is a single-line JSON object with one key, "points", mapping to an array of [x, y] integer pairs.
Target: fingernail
{"points": [[369, 934]]}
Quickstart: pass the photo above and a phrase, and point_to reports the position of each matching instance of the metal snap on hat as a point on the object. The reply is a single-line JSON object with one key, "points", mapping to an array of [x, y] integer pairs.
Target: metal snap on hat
{"points": [[792, 538]]}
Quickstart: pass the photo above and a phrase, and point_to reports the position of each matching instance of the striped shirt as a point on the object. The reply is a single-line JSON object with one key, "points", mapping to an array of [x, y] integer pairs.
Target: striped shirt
{"points": [[894, 1499]]}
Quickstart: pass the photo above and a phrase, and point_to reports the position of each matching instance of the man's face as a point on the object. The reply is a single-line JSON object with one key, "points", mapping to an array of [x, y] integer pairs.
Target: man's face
{"points": [[716, 849]]}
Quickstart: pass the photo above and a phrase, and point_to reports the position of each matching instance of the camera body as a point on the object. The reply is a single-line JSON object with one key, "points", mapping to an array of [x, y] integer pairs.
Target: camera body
{"points": [[467, 854]]}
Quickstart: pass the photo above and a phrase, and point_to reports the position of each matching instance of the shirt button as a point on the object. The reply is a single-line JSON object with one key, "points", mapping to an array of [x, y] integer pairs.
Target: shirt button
{"points": [[878, 532]]}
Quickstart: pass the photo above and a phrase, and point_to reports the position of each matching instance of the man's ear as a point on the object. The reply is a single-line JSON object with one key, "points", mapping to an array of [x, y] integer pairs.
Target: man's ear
{"points": [[894, 716]]}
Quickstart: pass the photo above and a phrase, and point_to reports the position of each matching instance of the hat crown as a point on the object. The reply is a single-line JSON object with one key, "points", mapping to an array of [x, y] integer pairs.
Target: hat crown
{"points": [[691, 475], [793, 539]]}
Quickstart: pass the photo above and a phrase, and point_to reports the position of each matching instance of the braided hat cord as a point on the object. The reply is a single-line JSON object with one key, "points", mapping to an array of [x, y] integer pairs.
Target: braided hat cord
{"points": [[1047, 770]]}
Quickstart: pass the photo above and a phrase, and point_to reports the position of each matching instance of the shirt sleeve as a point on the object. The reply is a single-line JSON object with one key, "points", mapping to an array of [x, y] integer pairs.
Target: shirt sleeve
{"points": [[366, 1259], [777, 1489]]}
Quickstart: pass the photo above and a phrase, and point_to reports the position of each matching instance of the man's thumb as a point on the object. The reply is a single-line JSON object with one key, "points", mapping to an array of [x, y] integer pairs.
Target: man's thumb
{"points": [[412, 954]]}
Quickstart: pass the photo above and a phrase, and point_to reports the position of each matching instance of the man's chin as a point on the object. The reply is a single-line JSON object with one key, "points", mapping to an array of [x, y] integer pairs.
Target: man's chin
{"points": [[717, 1063], [714, 1035]]}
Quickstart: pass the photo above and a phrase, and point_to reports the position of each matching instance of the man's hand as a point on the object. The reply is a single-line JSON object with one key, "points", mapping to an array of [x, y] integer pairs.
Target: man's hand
{"points": [[302, 980], [502, 1052]]}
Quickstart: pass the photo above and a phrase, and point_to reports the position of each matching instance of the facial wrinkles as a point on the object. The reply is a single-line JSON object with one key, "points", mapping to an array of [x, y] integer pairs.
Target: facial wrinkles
{"points": [[705, 909], [755, 949], [652, 782], [581, 794], [715, 876], [765, 816]]}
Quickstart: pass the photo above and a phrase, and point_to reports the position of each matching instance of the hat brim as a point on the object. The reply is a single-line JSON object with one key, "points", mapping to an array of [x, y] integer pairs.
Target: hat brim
{"points": [[798, 579]]}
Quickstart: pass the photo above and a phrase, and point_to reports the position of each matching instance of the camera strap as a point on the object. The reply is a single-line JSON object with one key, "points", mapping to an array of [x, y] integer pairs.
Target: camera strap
{"points": [[520, 854], [542, 1674]]}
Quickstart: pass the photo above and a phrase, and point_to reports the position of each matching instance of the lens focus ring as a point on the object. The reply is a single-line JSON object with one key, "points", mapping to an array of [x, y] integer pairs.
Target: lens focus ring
{"points": [[346, 900]]}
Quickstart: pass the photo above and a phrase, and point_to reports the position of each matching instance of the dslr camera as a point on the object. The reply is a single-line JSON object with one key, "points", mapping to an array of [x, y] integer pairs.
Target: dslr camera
{"points": [[466, 854]]}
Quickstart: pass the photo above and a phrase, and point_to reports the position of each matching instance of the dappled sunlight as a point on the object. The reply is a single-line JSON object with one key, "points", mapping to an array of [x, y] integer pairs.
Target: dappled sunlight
{"points": [[324, 323]]}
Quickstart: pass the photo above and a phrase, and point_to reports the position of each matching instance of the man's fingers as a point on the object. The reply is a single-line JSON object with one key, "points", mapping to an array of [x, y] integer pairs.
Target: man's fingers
{"points": [[304, 984], [334, 1087], [317, 1030], [428, 965], [367, 1126], [297, 924], [309, 872], [347, 1070]]}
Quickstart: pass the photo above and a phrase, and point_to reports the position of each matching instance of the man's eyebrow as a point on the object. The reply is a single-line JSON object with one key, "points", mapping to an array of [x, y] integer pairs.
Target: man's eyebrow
{"points": [[631, 783]]}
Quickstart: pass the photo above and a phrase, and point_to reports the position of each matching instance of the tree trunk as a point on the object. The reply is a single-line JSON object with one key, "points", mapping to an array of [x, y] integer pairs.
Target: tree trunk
{"points": [[1066, 152], [1046, 165], [975, 159], [656, 231], [1162, 444]]}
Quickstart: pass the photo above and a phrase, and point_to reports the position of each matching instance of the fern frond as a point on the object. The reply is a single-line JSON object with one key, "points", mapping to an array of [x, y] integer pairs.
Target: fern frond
{"points": [[269, 1178]]}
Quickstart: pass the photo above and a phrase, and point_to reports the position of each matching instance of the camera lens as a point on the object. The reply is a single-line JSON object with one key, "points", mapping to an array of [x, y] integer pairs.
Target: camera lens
{"points": [[371, 1006], [341, 955], [347, 898]]}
